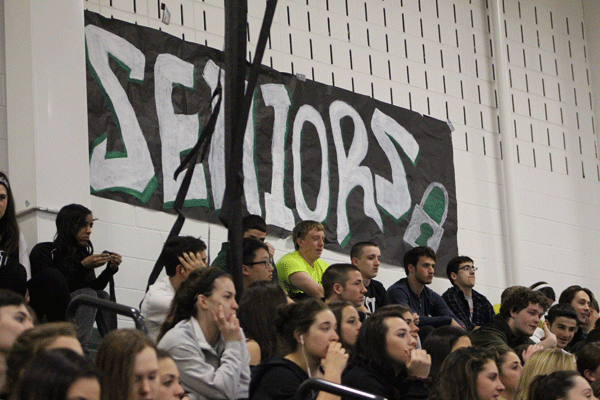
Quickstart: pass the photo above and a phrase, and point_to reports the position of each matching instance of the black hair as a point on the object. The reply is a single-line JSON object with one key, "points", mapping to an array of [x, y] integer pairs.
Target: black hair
{"points": [[50, 375], [561, 310], [249, 248], [439, 345], [257, 311], [547, 290], [553, 386], [254, 222], [9, 228], [370, 350], [69, 221], [294, 317], [593, 336], [454, 264], [175, 247], [412, 256], [336, 273]]}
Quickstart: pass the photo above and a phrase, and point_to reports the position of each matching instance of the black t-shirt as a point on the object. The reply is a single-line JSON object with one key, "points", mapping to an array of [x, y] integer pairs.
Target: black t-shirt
{"points": [[276, 379], [376, 296], [391, 388], [12, 274]]}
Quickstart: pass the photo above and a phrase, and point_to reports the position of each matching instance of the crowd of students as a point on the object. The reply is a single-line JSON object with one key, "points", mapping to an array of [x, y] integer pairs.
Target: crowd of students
{"points": [[337, 324]]}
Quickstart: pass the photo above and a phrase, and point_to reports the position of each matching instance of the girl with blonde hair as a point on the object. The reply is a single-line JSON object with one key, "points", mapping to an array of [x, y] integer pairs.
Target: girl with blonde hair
{"points": [[543, 362]]}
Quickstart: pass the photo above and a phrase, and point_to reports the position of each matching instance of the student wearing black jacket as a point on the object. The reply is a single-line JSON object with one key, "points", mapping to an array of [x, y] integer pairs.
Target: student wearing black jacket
{"points": [[66, 268], [384, 360]]}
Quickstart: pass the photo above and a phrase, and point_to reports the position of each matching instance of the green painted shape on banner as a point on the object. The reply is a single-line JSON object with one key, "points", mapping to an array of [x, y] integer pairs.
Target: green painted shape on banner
{"points": [[435, 205], [426, 233]]}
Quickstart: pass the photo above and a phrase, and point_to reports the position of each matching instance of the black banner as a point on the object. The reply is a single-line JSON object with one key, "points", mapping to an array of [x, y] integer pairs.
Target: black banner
{"points": [[366, 169]]}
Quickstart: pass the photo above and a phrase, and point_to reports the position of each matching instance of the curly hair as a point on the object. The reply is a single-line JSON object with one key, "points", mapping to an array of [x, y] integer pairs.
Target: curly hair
{"points": [[519, 299]]}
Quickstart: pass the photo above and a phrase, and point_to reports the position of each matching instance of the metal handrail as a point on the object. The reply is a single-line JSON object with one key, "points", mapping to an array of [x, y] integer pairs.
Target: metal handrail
{"points": [[333, 388], [86, 300]]}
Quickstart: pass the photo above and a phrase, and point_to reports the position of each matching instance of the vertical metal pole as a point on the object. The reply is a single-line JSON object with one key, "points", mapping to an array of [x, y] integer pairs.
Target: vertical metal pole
{"points": [[236, 13], [508, 147]]}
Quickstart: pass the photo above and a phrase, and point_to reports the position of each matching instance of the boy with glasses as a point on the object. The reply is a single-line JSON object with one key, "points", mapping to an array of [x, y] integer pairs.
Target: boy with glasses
{"points": [[256, 261], [471, 307]]}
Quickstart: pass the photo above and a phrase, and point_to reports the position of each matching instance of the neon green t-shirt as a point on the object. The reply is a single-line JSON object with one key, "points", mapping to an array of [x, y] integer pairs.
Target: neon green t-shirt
{"points": [[293, 262]]}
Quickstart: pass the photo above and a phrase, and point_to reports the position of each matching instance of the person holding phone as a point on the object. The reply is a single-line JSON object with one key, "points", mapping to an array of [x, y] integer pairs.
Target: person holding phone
{"points": [[72, 257]]}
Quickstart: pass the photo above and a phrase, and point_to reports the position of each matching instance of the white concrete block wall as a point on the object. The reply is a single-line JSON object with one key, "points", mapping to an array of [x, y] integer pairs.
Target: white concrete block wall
{"points": [[434, 57]]}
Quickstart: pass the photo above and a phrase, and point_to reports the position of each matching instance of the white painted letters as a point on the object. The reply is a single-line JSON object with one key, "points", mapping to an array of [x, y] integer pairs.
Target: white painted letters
{"points": [[308, 114], [178, 132], [350, 173], [133, 171], [393, 197], [277, 213]]}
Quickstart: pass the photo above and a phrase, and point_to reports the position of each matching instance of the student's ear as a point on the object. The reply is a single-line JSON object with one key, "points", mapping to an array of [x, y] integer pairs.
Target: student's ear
{"points": [[453, 276], [513, 314], [299, 337], [354, 260], [589, 375], [337, 288], [201, 301], [411, 268], [180, 270], [245, 270]]}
